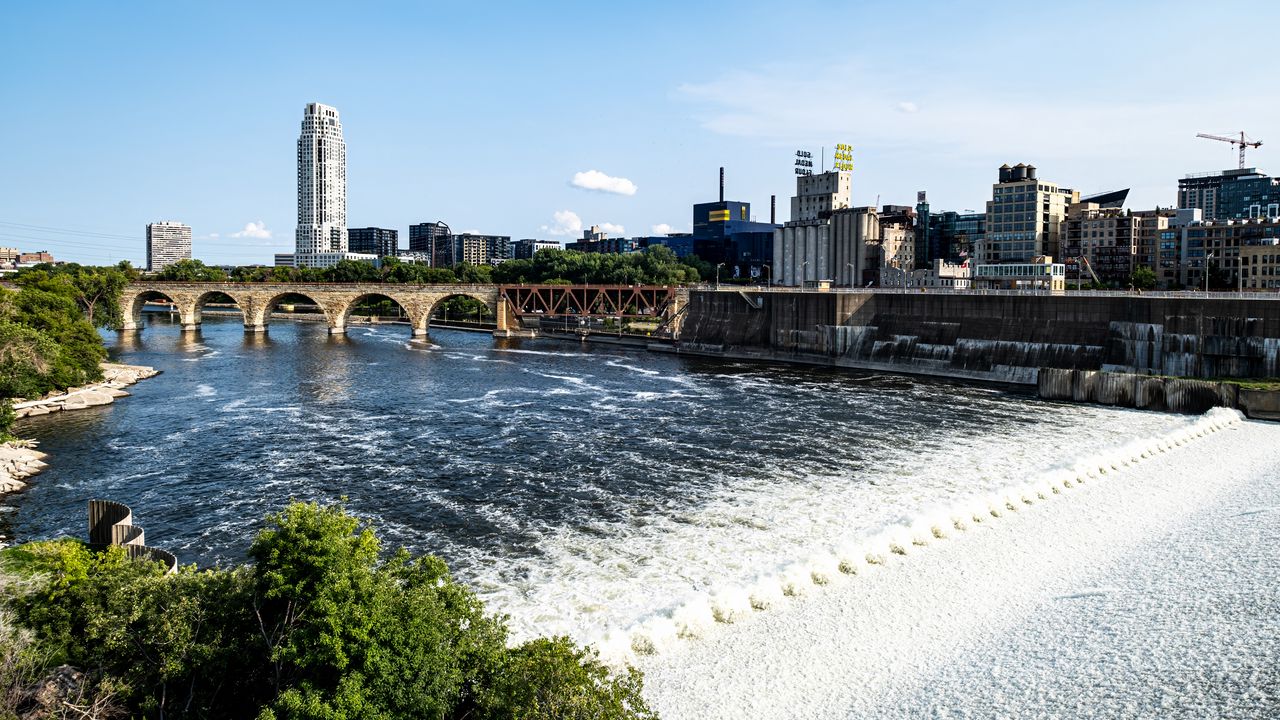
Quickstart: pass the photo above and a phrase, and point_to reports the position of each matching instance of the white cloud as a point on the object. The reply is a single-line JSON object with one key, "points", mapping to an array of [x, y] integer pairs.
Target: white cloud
{"points": [[256, 230], [908, 107], [215, 236], [612, 229], [598, 181], [564, 222], [662, 229]]}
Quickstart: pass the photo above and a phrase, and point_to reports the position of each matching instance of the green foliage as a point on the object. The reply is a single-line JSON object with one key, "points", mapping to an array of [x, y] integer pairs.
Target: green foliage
{"points": [[322, 625], [1144, 278], [352, 271], [705, 270], [46, 343], [191, 271], [552, 679], [95, 289], [657, 265], [464, 309]]}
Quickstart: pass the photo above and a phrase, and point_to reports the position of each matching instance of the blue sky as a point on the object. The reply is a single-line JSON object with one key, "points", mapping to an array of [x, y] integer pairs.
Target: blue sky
{"points": [[117, 114]]}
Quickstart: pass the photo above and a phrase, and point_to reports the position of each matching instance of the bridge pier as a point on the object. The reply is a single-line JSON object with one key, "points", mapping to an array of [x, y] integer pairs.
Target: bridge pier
{"points": [[255, 328], [190, 327], [337, 329]]}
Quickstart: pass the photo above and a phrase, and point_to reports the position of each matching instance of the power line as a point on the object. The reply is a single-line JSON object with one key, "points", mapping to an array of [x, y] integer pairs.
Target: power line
{"points": [[67, 231]]}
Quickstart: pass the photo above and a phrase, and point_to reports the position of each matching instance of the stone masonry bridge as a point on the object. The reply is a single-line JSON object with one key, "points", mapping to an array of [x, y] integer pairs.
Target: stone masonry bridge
{"points": [[507, 303], [336, 300]]}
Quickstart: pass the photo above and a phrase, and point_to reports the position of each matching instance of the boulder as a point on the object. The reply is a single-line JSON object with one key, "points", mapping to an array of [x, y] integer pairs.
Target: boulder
{"points": [[73, 402], [97, 397]]}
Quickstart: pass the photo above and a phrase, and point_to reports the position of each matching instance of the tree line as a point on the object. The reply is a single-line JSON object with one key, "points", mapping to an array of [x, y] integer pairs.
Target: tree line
{"points": [[320, 625], [48, 330], [654, 266]]}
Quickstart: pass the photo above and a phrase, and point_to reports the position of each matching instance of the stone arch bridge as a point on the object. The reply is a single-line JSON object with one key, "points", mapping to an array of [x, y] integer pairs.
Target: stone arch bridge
{"points": [[257, 301], [507, 303]]}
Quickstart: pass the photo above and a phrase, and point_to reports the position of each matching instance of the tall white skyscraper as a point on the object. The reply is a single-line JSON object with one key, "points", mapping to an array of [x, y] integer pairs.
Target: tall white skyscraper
{"points": [[167, 243], [321, 238]]}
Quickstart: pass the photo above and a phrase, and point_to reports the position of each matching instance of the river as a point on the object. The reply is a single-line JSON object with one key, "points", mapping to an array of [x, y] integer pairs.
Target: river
{"points": [[581, 489]]}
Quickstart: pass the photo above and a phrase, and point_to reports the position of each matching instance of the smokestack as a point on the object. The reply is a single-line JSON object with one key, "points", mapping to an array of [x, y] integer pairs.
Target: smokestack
{"points": [[721, 184], [773, 209]]}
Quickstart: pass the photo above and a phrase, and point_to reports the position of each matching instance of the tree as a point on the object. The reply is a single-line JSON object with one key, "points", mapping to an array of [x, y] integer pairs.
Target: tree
{"points": [[1144, 278], [352, 271], [322, 625], [550, 679], [95, 289], [191, 271]]}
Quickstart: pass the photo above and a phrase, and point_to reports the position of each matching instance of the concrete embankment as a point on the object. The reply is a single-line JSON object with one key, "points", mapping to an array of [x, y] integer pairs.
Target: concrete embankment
{"points": [[991, 338]]}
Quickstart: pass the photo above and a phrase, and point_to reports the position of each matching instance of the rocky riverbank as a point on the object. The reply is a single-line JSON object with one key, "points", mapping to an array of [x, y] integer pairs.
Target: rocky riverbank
{"points": [[19, 459], [115, 377]]}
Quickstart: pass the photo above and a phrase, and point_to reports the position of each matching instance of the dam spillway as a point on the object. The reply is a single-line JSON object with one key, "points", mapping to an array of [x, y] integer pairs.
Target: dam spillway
{"points": [[1002, 338]]}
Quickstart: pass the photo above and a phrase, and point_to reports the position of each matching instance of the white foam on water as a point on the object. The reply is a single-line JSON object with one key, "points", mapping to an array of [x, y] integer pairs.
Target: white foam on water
{"points": [[624, 586], [980, 617], [205, 391]]}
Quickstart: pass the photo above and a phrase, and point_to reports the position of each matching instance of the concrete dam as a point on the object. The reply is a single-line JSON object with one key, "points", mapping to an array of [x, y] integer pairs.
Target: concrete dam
{"points": [[1003, 338]]}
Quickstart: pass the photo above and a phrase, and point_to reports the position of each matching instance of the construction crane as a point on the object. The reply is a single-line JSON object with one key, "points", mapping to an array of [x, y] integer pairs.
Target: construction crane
{"points": [[1244, 141], [1084, 261]]}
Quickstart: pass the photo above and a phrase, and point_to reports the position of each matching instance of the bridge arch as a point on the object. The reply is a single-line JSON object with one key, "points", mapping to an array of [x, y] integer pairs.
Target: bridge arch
{"points": [[133, 300], [489, 300], [208, 296], [257, 315], [413, 308]]}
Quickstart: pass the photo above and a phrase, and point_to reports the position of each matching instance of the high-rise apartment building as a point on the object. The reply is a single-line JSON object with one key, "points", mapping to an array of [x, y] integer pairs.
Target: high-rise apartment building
{"points": [[434, 239], [1106, 237], [380, 242], [321, 238], [482, 249], [1239, 194], [1024, 217], [167, 243]]}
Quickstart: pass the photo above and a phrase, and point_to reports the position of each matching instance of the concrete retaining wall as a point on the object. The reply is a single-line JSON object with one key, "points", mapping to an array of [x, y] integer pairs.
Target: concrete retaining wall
{"points": [[1181, 395], [998, 338]]}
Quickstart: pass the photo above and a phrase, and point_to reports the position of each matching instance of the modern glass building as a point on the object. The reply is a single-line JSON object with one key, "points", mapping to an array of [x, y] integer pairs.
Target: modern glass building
{"points": [[723, 232], [435, 240], [948, 235], [373, 240]]}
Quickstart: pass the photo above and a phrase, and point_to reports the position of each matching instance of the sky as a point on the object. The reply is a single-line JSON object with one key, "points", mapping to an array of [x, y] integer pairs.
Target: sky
{"points": [[541, 119]]}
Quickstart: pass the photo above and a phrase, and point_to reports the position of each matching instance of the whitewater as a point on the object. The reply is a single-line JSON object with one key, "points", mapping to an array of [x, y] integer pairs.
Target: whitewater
{"points": [[1142, 582]]}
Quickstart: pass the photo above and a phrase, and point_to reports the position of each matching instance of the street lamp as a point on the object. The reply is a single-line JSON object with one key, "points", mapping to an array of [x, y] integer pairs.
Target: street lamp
{"points": [[850, 266], [718, 266], [1207, 258], [766, 268], [803, 265]]}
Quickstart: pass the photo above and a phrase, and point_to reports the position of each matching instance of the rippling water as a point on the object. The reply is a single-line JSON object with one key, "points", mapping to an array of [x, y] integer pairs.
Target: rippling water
{"points": [[577, 488]]}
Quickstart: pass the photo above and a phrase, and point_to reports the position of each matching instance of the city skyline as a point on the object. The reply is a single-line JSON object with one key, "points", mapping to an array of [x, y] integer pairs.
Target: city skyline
{"points": [[545, 145]]}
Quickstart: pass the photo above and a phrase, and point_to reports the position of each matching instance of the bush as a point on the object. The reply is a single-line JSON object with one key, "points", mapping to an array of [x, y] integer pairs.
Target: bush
{"points": [[320, 626]]}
